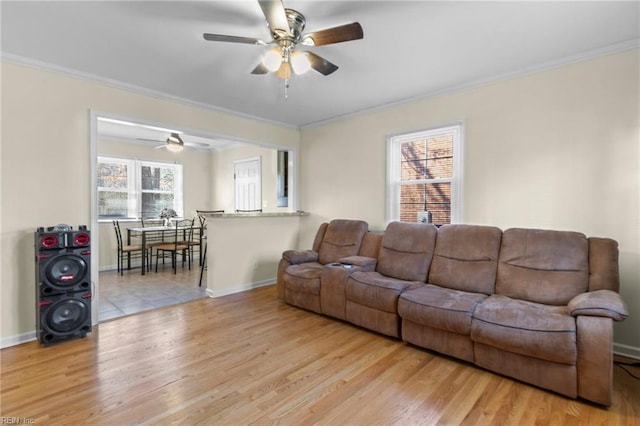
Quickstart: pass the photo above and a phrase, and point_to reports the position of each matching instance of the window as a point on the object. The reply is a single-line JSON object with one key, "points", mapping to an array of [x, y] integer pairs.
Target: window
{"points": [[424, 175], [137, 189]]}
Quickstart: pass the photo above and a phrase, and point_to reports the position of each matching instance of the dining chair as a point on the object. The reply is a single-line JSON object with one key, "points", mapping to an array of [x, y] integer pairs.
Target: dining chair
{"points": [[201, 237], [203, 265], [127, 249], [194, 237], [204, 239], [151, 222], [183, 232], [153, 239]]}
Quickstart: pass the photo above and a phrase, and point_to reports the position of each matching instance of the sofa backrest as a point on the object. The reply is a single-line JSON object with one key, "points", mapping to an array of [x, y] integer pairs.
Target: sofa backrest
{"points": [[319, 236], [406, 251], [342, 238], [466, 258], [371, 244], [543, 266]]}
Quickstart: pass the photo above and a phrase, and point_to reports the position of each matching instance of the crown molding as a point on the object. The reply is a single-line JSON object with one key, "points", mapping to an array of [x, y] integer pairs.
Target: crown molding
{"points": [[585, 56], [116, 84]]}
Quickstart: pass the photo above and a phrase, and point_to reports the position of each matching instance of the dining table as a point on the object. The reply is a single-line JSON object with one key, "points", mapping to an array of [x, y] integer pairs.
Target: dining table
{"points": [[143, 233]]}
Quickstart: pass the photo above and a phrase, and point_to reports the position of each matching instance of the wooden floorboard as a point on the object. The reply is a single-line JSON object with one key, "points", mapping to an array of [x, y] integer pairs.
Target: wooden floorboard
{"points": [[250, 359]]}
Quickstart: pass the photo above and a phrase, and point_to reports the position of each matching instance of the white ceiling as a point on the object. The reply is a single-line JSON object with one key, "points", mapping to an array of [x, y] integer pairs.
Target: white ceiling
{"points": [[410, 49]]}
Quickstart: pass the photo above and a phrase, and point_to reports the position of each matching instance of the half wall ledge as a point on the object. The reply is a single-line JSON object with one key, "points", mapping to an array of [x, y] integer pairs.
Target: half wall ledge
{"points": [[299, 213]]}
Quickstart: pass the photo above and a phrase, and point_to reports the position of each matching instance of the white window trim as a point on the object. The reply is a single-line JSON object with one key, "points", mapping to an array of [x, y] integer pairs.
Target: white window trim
{"points": [[394, 156], [134, 184]]}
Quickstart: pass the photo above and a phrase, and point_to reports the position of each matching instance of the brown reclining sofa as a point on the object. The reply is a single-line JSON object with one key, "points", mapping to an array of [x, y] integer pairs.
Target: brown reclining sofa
{"points": [[535, 305]]}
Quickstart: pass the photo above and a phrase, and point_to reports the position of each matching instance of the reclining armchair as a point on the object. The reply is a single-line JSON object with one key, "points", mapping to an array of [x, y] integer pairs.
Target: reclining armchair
{"points": [[299, 270]]}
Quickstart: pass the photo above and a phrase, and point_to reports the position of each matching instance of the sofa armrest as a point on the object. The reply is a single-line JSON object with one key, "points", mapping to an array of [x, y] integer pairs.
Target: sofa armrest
{"points": [[300, 256], [599, 303], [366, 264]]}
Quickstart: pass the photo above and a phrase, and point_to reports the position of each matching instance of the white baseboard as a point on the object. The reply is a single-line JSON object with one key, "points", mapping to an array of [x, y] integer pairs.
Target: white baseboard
{"points": [[107, 268], [29, 336], [115, 267], [240, 288], [626, 351]]}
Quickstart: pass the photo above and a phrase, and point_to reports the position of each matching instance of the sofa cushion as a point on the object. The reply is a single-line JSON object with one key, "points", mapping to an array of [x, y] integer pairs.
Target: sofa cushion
{"points": [[304, 278], [376, 291], [543, 266], [526, 328], [342, 238], [466, 258], [440, 308], [406, 251]]}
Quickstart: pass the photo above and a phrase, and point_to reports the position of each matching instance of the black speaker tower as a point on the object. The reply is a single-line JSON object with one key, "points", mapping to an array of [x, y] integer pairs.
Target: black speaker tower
{"points": [[63, 283]]}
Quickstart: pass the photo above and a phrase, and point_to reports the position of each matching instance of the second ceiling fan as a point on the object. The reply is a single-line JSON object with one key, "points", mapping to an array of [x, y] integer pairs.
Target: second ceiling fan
{"points": [[287, 32]]}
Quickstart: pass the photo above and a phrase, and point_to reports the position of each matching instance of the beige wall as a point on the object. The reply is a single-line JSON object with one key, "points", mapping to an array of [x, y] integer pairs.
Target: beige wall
{"points": [[557, 149], [46, 165], [253, 246]]}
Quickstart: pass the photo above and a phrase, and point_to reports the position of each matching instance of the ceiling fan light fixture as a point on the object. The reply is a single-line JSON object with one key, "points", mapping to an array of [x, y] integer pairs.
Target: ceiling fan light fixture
{"points": [[272, 60], [300, 63], [284, 72], [175, 143]]}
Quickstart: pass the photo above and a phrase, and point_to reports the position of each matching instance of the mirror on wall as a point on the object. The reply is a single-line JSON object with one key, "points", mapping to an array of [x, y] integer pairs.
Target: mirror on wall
{"points": [[282, 178]]}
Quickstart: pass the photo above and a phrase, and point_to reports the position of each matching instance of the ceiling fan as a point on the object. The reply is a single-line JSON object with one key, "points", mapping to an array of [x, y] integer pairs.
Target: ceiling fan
{"points": [[287, 26], [174, 143]]}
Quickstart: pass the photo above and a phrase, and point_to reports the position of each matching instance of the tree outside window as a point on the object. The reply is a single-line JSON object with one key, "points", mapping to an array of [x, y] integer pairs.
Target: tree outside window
{"points": [[424, 175]]}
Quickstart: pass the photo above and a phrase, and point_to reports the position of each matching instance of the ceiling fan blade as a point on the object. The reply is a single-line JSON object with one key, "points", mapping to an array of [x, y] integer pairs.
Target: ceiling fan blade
{"points": [[276, 16], [196, 144], [260, 69], [339, 34], [233, 39], [320, 64]]}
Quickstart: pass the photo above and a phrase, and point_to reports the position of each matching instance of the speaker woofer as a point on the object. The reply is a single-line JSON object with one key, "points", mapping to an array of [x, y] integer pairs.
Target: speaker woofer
{"points": [[62, 317], [66, 316], [66, 270]]}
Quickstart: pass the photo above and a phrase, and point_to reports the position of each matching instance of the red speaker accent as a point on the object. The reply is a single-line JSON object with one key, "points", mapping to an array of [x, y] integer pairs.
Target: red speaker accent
{"points": [[50, 241], [80, 239], [63, 283]]}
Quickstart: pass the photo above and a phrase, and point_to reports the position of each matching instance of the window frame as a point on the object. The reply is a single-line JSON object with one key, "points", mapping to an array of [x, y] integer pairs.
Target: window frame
{"points": [[134, 185], [394, 168]]}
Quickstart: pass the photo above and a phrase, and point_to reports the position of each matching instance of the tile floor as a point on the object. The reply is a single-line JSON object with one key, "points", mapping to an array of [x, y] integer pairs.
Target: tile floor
{"points": [[132, 292]]}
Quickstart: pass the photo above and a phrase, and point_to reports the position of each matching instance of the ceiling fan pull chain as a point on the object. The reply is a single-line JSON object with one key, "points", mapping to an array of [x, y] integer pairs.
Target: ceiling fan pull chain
{"points": [[286, 89]]}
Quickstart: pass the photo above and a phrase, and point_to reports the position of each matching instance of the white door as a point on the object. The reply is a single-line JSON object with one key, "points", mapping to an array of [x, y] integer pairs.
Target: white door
{"points": [[248, 180]]}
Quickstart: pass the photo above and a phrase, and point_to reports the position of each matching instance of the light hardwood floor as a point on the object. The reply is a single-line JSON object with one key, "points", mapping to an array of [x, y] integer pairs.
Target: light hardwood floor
{"points": [[250, 359]]}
